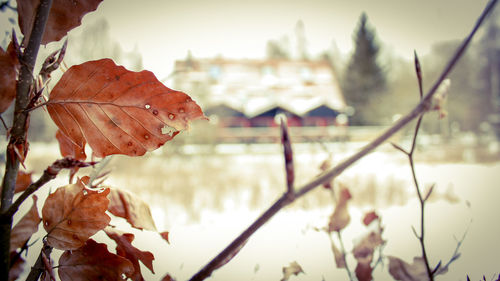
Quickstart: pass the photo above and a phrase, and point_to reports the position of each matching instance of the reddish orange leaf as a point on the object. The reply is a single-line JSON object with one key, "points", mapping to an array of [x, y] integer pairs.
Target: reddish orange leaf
{"points": [[167, 278], [64, 15], [164, 235], [369, 217], [401, 270], [73, 213], [23, 181], [8, 73], [364, 271], [70, 149], [93, 261], [25, 227], [132, 208], [117, 111], [124, 248], [340, 217]]}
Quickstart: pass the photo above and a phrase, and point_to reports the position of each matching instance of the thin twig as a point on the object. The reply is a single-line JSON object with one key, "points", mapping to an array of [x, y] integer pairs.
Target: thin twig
{"points": [[330, 174], [342, 248]]}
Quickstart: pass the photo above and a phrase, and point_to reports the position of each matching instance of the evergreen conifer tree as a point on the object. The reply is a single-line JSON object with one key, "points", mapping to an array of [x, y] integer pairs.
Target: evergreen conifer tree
{"points": [[364, 80]]}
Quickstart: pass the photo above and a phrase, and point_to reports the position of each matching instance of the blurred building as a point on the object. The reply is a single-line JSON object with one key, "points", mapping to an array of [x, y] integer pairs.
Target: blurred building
{"points": [[251, 93]]}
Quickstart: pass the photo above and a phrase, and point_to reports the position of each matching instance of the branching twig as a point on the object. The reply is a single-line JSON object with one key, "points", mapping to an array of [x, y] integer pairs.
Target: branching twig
{"points": [[329, 174], [19, 129], [409, 154], [49, 174], [342, 248]]}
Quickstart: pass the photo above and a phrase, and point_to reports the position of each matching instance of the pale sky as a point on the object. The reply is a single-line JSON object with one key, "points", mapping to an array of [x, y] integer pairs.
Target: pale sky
{"points": [[164, 30]]}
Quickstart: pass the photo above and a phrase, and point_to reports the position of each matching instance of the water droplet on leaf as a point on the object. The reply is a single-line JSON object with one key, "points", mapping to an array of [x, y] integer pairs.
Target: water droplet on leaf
{"points": [[171, 116], [147, 106]]}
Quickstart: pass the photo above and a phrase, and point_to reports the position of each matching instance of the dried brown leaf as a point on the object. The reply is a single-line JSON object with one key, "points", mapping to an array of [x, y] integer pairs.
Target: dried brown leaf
{"points": [[165, 235], [64, 15], [8, 73], [93, 261], [369, 217], [338, 255], [117, 111], [340, 217], [23, 230], [132, 208], [73, 213], [23, 181], [124, 248], [292, 269], [401, 270]]}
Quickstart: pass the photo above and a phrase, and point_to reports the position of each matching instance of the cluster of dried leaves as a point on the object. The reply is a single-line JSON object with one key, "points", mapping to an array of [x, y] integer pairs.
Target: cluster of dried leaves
{"points": [[114, 111]]}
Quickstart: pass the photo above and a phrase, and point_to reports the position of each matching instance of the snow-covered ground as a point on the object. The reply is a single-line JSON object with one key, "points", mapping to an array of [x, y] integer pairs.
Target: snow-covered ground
{"points": [[206, 200]]}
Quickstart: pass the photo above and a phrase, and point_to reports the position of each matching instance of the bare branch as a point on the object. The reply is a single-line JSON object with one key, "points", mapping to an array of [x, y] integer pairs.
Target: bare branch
{"points": [[19, 129]]}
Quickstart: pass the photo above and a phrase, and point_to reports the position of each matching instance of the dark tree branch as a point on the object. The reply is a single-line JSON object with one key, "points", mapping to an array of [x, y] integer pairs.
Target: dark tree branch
{"points": [[328, 175], [19, 130]]}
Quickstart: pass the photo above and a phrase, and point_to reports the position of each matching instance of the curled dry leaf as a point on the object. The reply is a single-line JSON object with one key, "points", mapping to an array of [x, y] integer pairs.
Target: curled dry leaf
{"points": [[132, 208], [340, 217], [167, 278], [124, 248], [64, 15], [9, 65], [363, 253], [401, 270], [73, 213], [23, 230], [164, 235], [370, 217], [93, 261], [292, 269], [23, 181], [117, 111], [338, 255], [364, 271]]}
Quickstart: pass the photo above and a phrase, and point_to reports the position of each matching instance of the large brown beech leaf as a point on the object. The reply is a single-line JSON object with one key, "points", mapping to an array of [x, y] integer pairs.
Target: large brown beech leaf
{"points": [[93, 261], [73, 213], [124, 248], [132, 208], [117, 111], [8, 73], [64, 15], [23, 230]]}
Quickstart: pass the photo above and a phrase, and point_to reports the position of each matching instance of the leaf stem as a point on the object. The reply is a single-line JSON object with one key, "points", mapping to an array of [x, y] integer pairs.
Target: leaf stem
{"points": [[19, 129], [342, 248], [333, 172]]}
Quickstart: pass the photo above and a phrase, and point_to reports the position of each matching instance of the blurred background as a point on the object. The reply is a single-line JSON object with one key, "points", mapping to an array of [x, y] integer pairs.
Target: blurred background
{"points": [[341, 72]]}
